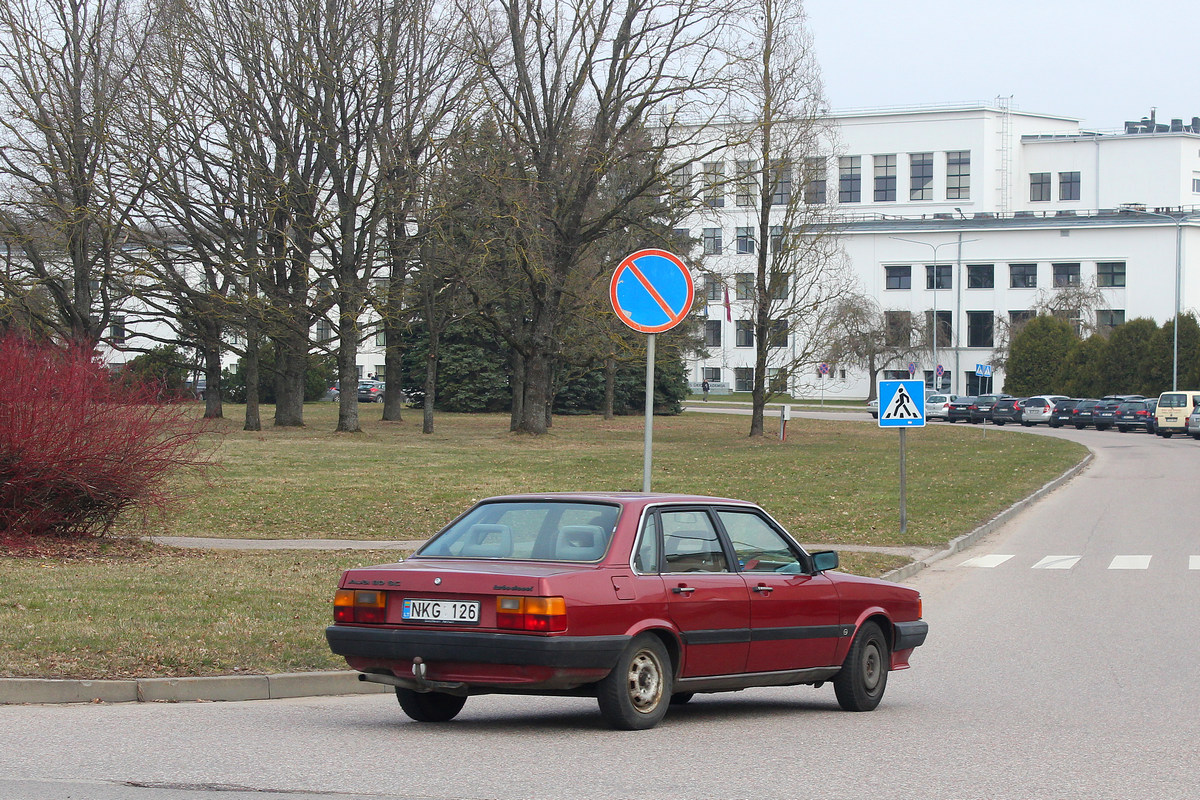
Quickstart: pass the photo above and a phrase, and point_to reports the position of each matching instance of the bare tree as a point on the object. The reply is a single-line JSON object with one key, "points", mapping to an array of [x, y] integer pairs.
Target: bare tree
{"points": [[861, 334], [64, 206], [780, 163], [573, 86]]}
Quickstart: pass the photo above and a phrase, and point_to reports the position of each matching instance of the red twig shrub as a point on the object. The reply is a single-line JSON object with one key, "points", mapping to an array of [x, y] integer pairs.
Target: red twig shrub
{"points": [[78, 448]]}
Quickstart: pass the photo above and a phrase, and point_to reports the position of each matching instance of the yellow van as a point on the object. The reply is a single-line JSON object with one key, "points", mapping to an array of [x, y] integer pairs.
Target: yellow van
{"points": [[1173, 409]]}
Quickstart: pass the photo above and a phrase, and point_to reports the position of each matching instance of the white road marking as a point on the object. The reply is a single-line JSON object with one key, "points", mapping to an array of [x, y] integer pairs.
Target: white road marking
{"points": [[986, 561], [1130, 562], [1057, 562]]}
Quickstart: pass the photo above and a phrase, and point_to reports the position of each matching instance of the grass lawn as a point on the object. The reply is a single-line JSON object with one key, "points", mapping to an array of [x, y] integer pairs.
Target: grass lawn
{"points": [[147, 611]]}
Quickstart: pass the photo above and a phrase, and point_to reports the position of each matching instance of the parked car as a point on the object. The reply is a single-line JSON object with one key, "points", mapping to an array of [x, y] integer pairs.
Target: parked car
{"points": [[1039, 409], [981, 411], [937, 406], [1172, 412], [1193, 423], [1008, 409], [960, 409], [638, 600], [370, 391], [1104, 414], [1136, 414], [1081, 414], [873, 408], [1063, 413]]}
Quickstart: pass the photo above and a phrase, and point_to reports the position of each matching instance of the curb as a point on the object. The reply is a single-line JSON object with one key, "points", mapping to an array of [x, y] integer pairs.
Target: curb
{"points": [[182, 690], [967, 539]]}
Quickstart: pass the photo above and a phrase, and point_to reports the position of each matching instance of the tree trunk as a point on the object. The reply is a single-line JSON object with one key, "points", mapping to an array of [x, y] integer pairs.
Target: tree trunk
{"points": [[610, 386], [431, 366], [537, 382], [393, 390], [253, 416], [348, 376], [212, 383], [291, 360], [518, 390]]}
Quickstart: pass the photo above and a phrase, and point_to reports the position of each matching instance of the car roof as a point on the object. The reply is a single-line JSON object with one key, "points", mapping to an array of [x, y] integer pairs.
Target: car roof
{"points": [[620, 498]]}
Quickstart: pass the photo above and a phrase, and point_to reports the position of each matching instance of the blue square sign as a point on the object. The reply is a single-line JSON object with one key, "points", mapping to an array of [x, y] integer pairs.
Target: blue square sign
{"points": [[902, 404]]}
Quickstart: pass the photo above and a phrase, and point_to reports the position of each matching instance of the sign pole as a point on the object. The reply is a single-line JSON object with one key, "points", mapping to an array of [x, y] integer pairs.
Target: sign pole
{"points": [[903, 487], [648, 445]]}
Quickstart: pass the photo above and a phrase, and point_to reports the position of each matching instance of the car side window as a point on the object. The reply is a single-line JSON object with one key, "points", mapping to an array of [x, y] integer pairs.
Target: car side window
{"points": [[759, 546], [690, 542], [645, 560]]}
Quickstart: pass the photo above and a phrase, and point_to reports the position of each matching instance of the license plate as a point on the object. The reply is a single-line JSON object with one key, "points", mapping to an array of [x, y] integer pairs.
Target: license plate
{"points": [[458, 611]]}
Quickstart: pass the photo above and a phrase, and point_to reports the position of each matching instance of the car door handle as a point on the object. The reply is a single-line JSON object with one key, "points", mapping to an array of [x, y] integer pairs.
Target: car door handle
{"points": [[683, 589], [764, 589]]}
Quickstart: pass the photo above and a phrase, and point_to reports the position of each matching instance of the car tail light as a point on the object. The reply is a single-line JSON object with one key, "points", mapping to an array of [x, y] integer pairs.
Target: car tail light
{"points": [[359, 605], [973, 408], [542, 614]]}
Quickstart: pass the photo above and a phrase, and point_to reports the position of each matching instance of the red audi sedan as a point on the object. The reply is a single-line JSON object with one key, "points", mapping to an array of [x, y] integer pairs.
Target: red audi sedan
{"points": [[638, 600]]}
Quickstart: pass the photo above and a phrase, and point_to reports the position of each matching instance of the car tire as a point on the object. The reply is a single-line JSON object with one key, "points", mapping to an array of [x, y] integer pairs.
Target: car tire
{"points": [[1025, 424], [636, 694], [997, 422], [860, 684], [1101, 427], [430, 706], [1123, 428], [1080, 427]]}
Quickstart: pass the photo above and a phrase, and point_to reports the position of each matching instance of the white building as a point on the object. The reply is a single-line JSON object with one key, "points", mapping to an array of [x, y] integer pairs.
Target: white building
{"points": [[1006, 205]]}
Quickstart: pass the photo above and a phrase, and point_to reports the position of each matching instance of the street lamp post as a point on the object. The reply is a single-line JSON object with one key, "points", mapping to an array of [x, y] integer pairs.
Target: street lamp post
{"points": [[935, 248], [1178, 222]]}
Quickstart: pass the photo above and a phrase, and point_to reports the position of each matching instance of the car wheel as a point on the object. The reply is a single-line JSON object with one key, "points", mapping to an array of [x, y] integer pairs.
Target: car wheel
{"points": [[636, 694], [1080, 427], [682, 698], [429, 706], [860, 683], [1025, 424], [1101, 427], [1123, 428], [998, 422]]}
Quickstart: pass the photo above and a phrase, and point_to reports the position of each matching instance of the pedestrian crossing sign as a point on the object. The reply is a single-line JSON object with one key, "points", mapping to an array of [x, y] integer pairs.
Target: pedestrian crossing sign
{"points": [[902, 404]]}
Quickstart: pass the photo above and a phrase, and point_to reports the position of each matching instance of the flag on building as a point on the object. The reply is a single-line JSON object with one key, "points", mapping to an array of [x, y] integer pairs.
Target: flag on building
{"points": [[728, 310]]}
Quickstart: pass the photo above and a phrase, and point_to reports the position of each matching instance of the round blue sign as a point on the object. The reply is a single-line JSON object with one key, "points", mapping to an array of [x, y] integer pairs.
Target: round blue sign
{"points": [[651, 291]]}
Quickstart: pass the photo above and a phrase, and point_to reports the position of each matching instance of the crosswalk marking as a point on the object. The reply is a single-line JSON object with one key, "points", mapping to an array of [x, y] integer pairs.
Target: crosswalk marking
{"points": [[986, 561], [1122, 562], [1130, 562], [1057, 562]]}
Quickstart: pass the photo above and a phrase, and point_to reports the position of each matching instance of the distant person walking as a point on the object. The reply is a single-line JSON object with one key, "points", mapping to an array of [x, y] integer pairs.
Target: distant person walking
{"points": [[704, 388]]}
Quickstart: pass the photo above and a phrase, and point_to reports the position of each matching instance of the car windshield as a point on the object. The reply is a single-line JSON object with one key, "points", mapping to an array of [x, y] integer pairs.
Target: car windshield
{"points": [[528, 530]]}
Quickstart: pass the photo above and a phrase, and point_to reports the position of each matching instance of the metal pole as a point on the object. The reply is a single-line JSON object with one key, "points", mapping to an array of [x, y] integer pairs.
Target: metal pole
{"points": [[1178, 283], [648, 445], [903, 487]]}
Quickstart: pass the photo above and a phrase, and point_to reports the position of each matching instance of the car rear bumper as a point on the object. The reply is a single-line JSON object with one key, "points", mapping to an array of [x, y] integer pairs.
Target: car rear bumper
{"points": [[403, 645]]}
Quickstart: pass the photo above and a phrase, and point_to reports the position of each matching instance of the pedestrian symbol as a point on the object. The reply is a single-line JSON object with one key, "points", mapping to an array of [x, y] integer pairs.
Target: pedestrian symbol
{"points": [[901, 404]]}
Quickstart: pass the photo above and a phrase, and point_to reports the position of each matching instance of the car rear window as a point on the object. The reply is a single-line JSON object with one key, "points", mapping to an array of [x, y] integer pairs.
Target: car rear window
{"points": [[1173, 400], [528, 530]]}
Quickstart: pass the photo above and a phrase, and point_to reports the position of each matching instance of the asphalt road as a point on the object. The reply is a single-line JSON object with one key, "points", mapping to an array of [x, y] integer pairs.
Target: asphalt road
{"points": [[1061, 663]]}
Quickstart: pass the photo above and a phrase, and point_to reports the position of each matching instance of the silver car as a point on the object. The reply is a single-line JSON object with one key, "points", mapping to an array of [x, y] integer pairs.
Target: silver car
{"points": [[937, 406], [1039, 409], [1193, 423]]}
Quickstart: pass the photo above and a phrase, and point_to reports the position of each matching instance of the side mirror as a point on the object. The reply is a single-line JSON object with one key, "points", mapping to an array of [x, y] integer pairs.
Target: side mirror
{"points": [[825, 560]]}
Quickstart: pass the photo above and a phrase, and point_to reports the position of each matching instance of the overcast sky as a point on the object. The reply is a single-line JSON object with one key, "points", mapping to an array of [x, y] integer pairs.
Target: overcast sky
{"points": [[1101, 61]]}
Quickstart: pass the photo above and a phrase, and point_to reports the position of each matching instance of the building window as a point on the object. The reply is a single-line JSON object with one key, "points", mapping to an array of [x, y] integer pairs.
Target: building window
{"points": [[979, 328], [885, 179], [324, 330], [744, 333], [937, 276], [380, 372], [814, 180], [1109, 319], [381, 338], [712, 333], [1039, 187], [920, 183], [945, 326], [1022, 276], [1110, 273], [744, 281], [1066, 275], [775, 234], [743, 379], [899, 277], [711, 374], [712, 288], [1068, 186], [1072, 316], [745, 240], [958, 175], [777, 285], [777, 334], [897, 328], [850, 179], [981, 276], [1018, 318], [714, 183], [116, 330], [744, 190], [681, 179], [1196, 183], [712, 241], [781, 178]]}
